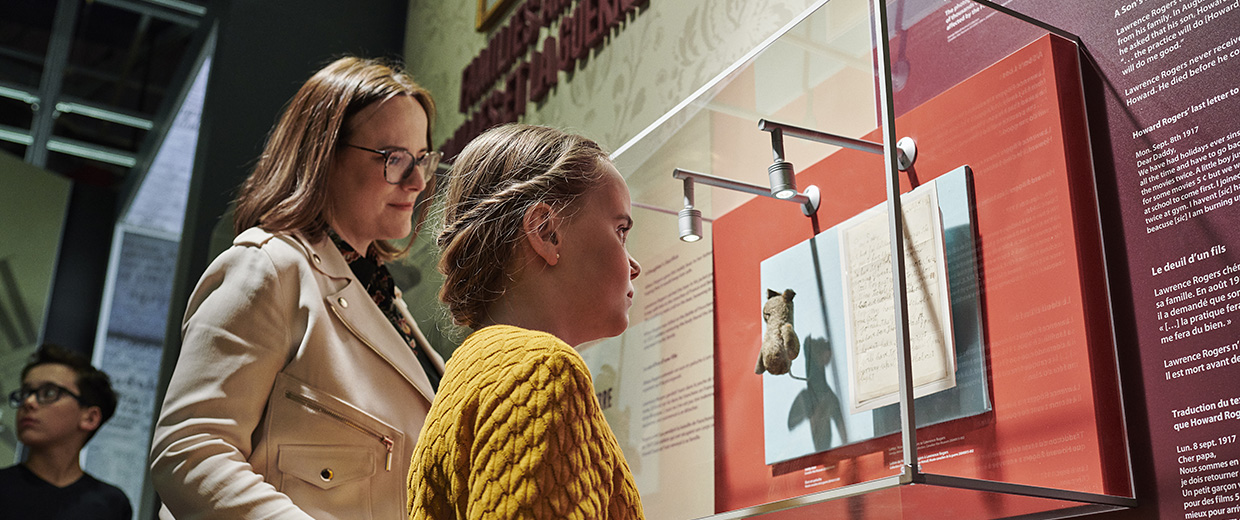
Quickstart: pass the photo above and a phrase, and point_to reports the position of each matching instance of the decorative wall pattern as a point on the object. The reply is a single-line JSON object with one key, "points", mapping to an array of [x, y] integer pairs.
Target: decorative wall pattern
{"points": [[652, 63]]}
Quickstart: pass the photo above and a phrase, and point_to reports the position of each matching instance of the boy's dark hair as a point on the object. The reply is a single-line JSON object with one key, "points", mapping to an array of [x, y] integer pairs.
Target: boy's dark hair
{"points": [[92, 383]]}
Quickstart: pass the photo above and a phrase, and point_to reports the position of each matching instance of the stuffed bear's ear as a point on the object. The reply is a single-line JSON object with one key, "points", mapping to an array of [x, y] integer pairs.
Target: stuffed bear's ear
{"points": [[771, 294], [788, 294]]}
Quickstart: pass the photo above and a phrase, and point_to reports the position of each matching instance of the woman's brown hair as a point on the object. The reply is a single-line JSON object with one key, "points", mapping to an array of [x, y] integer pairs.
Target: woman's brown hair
{"points": [[494, 181], [287, 191]]}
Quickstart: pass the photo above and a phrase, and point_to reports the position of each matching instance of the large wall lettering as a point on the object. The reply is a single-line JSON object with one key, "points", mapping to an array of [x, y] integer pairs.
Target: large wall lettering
{"points": [[514, 69]]}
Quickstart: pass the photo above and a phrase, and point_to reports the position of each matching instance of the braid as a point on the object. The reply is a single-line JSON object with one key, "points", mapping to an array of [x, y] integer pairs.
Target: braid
{"points": [[495, 180], [489, 206]]}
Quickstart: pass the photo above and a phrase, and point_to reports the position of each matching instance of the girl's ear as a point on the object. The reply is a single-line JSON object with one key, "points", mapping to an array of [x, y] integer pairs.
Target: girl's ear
{"points": [[540, 224]]}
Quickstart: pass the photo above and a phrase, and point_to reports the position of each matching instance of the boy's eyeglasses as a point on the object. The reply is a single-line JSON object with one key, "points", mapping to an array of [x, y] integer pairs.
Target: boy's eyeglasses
{"points": [[46, 393]]}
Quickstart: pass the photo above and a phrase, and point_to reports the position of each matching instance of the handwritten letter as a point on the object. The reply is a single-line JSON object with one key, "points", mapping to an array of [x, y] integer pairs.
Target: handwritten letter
{"points": [[870, 309]]}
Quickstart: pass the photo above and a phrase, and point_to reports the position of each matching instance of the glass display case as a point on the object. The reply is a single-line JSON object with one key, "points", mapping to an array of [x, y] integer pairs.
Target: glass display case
{"points": [[786, 365]]}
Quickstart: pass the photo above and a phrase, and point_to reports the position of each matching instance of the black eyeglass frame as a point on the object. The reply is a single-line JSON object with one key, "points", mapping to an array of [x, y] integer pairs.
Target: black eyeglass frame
{"points": [[428, 162], [42, 394]]}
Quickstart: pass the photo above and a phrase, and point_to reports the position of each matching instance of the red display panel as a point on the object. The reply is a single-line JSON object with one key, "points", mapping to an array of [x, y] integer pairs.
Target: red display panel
{"points": [[1056, 420]]}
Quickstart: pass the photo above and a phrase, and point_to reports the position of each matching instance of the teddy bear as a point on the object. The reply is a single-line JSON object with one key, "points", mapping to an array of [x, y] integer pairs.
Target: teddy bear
{"points": [[779, 343]]}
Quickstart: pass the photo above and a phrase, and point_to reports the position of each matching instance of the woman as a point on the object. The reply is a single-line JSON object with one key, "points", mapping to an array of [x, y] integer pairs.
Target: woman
{"points": [[535, 261], [302, 380]]}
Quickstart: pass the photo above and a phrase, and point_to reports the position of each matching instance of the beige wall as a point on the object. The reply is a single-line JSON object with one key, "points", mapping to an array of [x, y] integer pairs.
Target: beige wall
{"points": [[32, 210], [668, 51]]}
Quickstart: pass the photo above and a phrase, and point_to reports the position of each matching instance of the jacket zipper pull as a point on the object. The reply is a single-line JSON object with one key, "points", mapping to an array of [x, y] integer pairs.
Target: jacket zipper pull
{"points": [[388, 443]]}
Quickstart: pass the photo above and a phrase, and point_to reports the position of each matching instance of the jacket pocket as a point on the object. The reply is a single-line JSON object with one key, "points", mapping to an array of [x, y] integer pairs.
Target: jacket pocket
{"points": [[332, 458], [327, 467], [329, 456], [329, 482], [356, 421]]}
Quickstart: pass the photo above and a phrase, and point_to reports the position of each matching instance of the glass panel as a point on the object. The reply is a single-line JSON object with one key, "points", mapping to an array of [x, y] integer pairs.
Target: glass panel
{"points": [[1014, 360], [928, 502]]}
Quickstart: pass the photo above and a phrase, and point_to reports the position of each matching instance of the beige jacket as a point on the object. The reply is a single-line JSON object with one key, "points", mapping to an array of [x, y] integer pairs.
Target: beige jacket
{"points": [[293, 397]]}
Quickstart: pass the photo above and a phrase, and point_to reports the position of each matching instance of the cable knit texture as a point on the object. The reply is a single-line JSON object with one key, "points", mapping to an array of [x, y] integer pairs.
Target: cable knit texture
{"points": [[517, 432]]}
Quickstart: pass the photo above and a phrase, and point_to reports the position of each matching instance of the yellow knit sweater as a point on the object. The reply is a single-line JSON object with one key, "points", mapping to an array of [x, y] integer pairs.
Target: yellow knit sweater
{"points": [[516, 432]]}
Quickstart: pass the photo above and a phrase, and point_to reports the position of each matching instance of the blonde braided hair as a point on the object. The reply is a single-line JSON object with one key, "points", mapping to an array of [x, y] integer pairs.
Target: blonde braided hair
{"points": [[498, 177]]}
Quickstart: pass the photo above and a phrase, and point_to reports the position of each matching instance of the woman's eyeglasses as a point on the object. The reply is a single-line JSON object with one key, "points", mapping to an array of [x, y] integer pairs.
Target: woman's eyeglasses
{"points": [[45, 393], [398, 165]]}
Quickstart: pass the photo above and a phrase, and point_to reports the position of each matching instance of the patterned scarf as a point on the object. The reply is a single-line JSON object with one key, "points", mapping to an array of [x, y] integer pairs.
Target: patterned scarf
{"points": [[378, 283]]}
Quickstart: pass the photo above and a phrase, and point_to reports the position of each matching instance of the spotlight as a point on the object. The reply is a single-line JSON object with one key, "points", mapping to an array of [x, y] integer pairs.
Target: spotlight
{"points": [[783, 183], [690, 224], [690, 217]]}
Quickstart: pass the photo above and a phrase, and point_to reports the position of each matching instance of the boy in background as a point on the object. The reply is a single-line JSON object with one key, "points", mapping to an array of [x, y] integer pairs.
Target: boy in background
{"points": [[62, 402]]}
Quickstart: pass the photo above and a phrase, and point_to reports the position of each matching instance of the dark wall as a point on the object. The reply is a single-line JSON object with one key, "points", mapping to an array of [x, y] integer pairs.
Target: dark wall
{"points": [[81, 268], [264, 52]]}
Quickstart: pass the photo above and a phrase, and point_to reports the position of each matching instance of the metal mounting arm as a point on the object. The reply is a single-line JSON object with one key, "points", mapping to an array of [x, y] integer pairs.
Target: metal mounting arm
{"points": [[906, 146], [691, 217]]}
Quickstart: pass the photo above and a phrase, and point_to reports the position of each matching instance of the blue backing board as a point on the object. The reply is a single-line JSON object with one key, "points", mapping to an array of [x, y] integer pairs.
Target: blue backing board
{"points": [[806, 411]]}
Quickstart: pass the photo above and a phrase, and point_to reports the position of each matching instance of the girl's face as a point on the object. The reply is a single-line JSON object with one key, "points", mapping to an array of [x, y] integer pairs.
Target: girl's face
{"points": [[363, 206], [597, 270]]}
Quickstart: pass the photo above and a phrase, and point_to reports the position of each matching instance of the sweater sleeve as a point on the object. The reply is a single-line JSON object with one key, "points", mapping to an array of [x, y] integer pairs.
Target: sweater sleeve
{"points": [[537, 452], [238, 334]]}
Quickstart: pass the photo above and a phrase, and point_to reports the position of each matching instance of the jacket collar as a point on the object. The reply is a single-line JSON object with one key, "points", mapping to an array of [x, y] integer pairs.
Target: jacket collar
{"points": [[322, 255], [348, 301]]}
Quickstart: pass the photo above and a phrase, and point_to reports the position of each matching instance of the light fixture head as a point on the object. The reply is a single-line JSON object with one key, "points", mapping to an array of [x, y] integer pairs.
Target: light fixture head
{"points": [[907, 153], [783, 183], [690, 224]]}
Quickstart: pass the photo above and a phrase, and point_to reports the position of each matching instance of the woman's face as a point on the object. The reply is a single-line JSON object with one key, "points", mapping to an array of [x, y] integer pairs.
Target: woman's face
{"points": [[597, 271], [363, 206]]}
